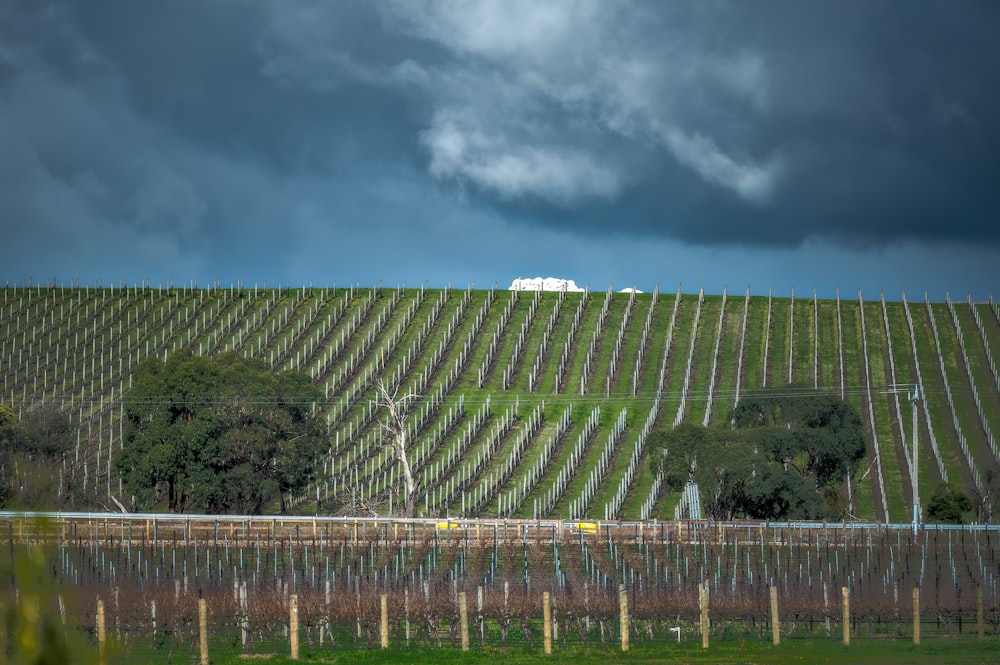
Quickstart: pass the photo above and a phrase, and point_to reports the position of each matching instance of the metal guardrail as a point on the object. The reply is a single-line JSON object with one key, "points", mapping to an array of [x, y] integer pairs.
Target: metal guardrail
{"points": [[549, 523]]}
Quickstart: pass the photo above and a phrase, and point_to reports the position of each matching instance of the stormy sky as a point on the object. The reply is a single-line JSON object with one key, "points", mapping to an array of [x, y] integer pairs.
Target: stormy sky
{"points": [[780, 144]]}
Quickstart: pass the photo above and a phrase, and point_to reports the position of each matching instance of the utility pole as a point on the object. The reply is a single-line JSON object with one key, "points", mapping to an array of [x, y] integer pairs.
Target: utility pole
{"points": [[914, 397]]}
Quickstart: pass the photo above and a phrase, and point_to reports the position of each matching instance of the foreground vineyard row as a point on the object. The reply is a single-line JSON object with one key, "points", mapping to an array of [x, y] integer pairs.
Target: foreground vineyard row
{"points": [[532, 405], [150, 570]]}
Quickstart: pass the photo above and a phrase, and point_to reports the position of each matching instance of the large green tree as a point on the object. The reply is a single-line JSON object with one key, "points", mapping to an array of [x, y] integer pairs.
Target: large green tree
{"points": [[782, 458], [37, 474], [825, 435], [948, 505], [217, 434]]}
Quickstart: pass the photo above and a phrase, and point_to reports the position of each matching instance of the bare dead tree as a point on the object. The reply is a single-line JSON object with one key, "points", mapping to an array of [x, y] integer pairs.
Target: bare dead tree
{"points": [[396, 428]]}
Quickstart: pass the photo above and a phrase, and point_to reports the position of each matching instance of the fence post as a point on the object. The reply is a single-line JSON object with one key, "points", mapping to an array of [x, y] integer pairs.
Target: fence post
{"points": [[463, 618], [775, 626], [979, 612], [244, 616], [479, 609], [703, 602], [203, 630], [293, 625], [406, 608], [384, 623], [916, 615], [547, 621], [101, 630], [623, 606], [845, 595], [118, 628]]}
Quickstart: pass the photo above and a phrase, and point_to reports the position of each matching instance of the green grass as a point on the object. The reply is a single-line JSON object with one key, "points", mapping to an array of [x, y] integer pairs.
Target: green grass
{"points": [[829, 345], [729, 350], [960, 391], [809, 650], [893, 462], [867, 501], [803, 342], [779, 343], [753, 346], [704, 350], [980, 366]]}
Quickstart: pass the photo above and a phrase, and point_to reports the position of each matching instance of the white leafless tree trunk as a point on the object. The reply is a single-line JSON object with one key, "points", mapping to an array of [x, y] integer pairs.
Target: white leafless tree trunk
{"points": [[396, 428]]}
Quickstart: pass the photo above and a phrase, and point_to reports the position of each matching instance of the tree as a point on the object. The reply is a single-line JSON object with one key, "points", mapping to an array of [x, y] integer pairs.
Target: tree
{"points": [[720, 462], [37, 447], [948, 505], [781, 460], [827, 434], [395, 427], [8, 424], [217, 434]]}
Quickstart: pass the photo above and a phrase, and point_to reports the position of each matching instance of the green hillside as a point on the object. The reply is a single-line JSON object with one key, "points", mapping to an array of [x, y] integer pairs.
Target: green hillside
{"points": [[531, 404]]}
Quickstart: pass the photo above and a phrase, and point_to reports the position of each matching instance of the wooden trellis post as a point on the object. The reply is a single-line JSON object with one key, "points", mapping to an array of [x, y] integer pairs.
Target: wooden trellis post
{"points": [[101, 631], [203, 630], [463, 617], [623, 606], [916, 615], [979, 612], [547, 621], [775, 626], [845, 595], [703, 601], [384, 623], [293, 625]]}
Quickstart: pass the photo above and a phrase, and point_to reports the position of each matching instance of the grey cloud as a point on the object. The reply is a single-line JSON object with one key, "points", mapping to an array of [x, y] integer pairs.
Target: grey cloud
{"points": [[220, 135]]}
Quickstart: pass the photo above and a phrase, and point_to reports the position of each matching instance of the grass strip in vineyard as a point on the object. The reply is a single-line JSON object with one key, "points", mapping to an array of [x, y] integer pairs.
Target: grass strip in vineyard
{"points": [[928, 465], [589, 342], [988, 315], [581, 470], [955, 459], [520, 374], [541, 356], [677, 361], [520, 306], [980, 367], [576, 352], [754, 360], [803, 342], [828, 341], [780, 344], [548, 373], [623, 372], [520, 338], [597, 382], [704, 358], [648, 371], [565, 463], [893, 459], [483, 353], [728, 360], [961, 393], [619, 461], [864, 483]]}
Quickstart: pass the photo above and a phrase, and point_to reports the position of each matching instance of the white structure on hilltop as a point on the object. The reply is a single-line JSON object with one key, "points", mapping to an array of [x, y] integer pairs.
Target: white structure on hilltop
{"points": [[543, 284], [552, 284]]}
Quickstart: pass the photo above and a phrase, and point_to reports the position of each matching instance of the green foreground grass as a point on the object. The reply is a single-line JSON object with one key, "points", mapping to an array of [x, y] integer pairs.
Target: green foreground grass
{"points": [[882, 652]]}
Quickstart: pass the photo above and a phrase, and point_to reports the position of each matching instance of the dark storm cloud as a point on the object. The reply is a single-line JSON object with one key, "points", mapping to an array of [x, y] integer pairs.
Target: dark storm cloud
{"points": [[260, 139]]}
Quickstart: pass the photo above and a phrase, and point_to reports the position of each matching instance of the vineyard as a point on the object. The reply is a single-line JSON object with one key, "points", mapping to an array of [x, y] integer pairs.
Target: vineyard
{"points": [[161, 585], [531, 405]]}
